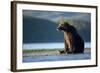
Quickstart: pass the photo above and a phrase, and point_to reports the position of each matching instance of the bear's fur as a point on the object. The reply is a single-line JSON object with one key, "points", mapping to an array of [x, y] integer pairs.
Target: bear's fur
{"points": [[72, 40]]}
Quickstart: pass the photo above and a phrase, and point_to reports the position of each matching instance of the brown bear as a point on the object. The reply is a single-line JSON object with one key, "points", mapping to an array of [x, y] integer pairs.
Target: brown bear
{"points": [[72, 40]]}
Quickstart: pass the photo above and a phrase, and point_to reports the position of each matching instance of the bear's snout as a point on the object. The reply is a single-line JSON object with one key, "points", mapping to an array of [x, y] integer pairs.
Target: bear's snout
{"points": [[58, 28]]}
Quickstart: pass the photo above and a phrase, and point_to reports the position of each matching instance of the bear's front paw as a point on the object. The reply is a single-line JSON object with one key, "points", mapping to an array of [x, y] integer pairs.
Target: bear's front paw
{"points": [[62, 52]]}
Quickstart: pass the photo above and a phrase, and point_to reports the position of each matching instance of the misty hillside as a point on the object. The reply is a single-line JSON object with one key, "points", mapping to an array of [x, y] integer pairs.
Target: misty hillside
{"points": [[38, 30]]}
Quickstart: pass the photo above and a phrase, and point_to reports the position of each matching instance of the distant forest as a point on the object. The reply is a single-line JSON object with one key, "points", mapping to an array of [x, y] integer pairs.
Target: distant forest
{"points": [[38, 30]]}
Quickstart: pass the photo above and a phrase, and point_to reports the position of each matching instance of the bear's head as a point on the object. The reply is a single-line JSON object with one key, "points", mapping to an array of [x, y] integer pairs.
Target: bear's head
{"points": [[64, 27]]}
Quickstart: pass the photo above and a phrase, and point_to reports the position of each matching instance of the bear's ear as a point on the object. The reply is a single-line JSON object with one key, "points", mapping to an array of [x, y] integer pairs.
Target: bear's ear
{"points": [[61, 20]]}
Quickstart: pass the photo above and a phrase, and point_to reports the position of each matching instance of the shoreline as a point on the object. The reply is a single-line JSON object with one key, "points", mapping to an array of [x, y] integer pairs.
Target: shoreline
{"points": [[47, 52]]}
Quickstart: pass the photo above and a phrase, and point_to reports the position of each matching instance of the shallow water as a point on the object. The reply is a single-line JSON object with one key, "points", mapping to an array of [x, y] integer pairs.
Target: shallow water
{"points": [[63, 57], [49, 45], [42, 58]]}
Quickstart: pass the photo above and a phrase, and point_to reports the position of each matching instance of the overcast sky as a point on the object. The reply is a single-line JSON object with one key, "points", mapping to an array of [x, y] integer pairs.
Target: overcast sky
{"points": [[55, 15]]}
